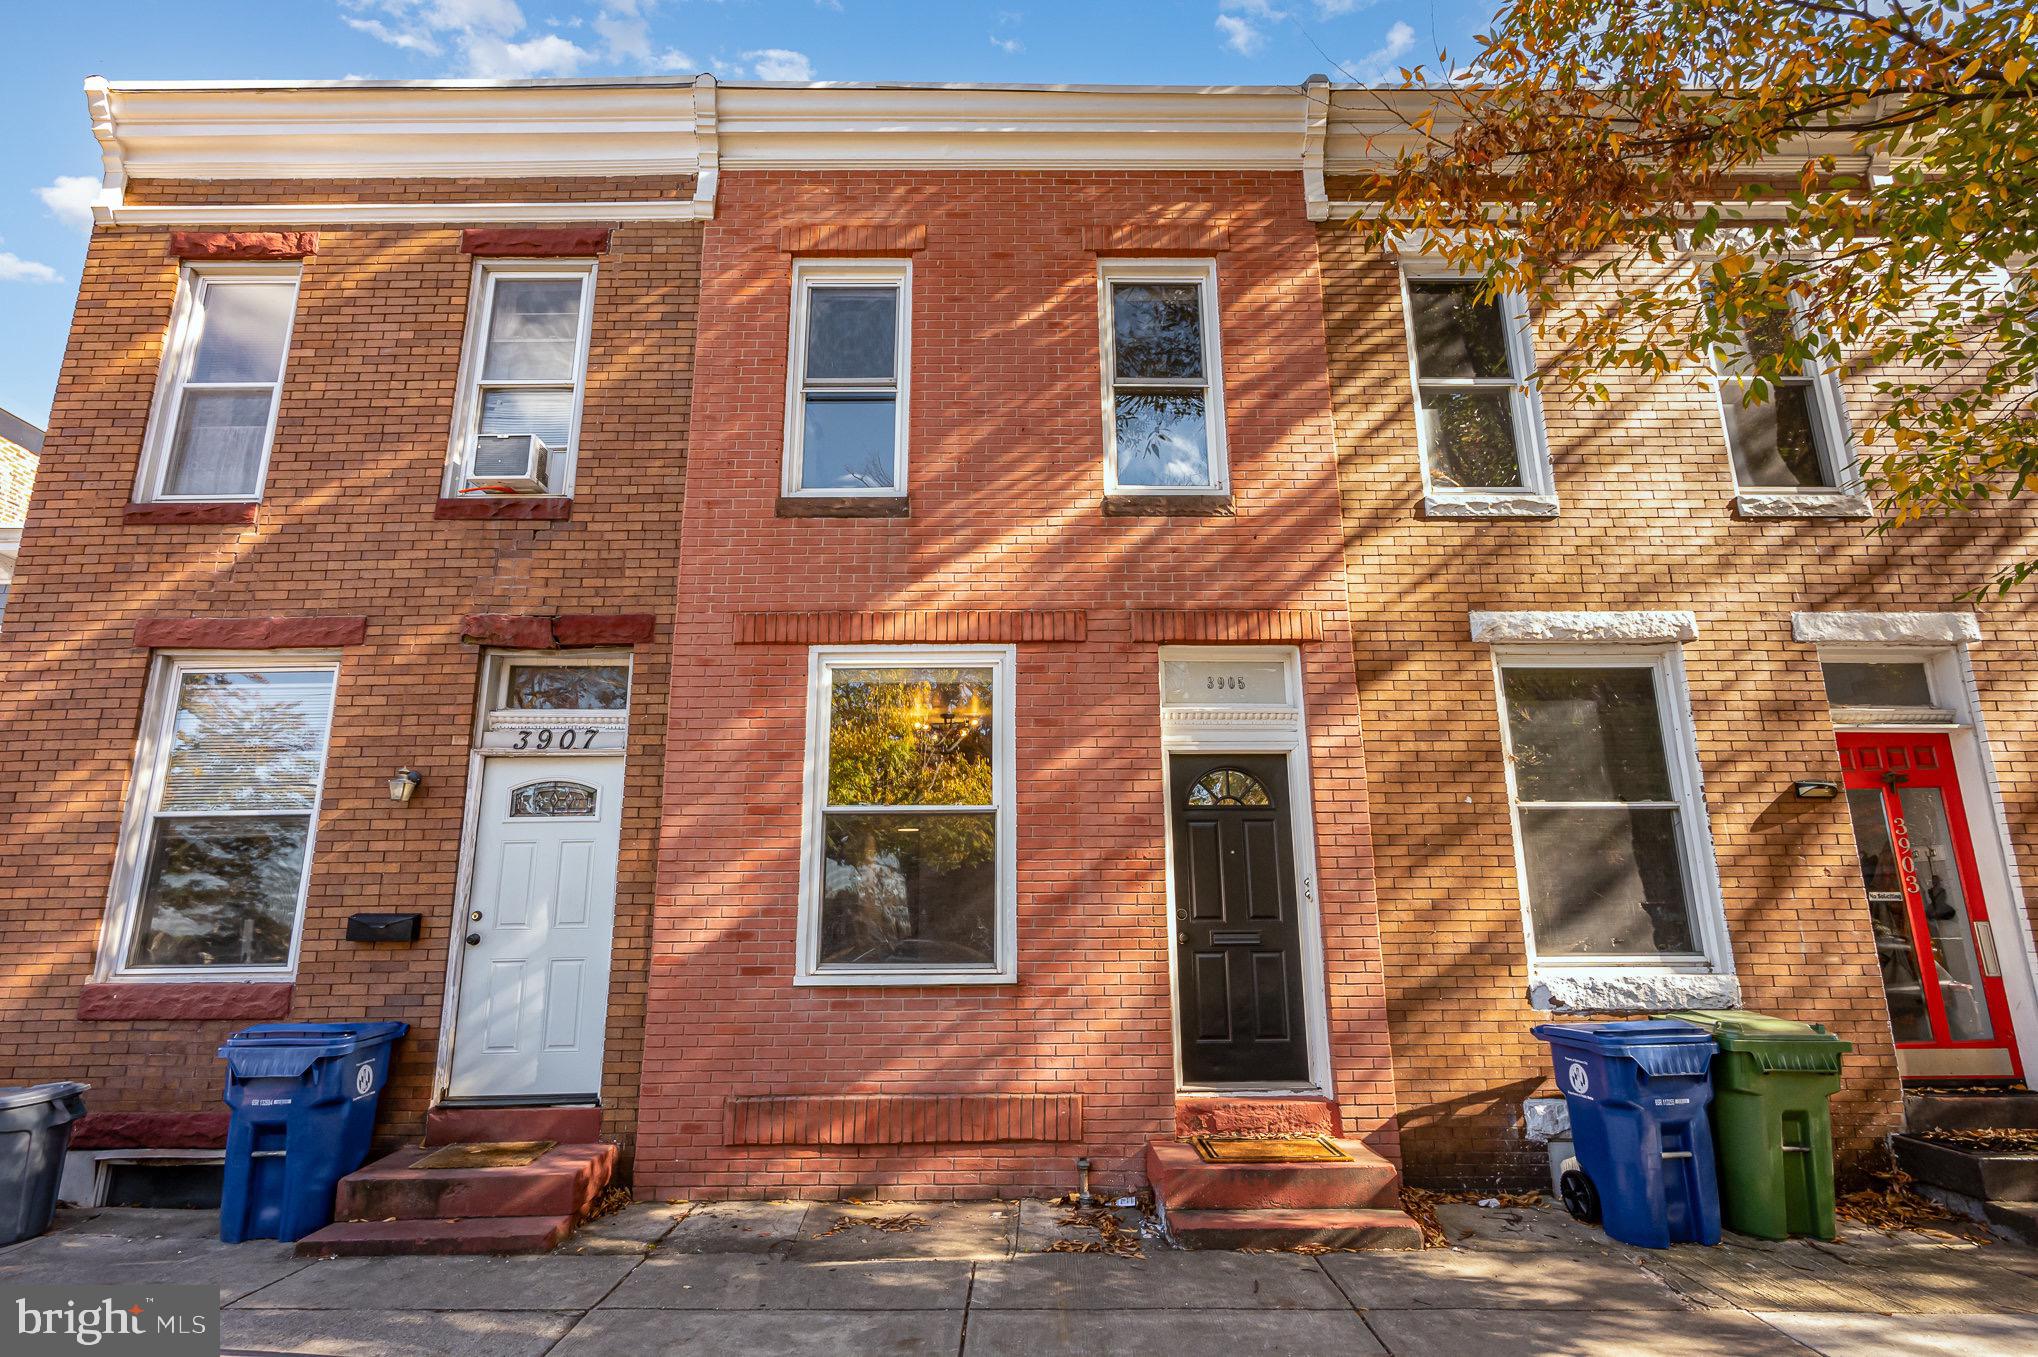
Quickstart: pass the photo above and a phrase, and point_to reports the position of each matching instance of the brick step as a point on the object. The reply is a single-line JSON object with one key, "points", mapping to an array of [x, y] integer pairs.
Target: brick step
{"points": [[1220, 1114], [1983, 1175], [565, 1180], [492, 1234], [1287, 1229], [476, 1125], [2010, 1110], [1182, 1179]]}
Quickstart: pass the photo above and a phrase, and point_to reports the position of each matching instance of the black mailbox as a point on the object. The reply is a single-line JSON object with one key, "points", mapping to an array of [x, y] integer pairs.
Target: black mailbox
{"points": [[383, 927]]}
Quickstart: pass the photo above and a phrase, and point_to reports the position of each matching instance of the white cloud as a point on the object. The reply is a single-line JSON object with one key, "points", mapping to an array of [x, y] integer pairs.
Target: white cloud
{"points": [[69, 199], [549, 54], [1337, 9], [672, 59], [409, 39], [489, 36], [779, 63], [15, 269], [1381, 64], [1240, 35], [1009, 46]]}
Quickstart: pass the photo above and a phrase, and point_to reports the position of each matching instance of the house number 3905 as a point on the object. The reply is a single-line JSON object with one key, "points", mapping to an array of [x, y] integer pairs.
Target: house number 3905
{"points": [[547, 738], [1223, 683]]}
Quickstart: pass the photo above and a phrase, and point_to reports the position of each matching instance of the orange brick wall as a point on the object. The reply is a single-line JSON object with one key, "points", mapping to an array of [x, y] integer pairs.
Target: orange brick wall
{"points": [[1007, 489], [17, 481], [346, 528], [1646, 493]]}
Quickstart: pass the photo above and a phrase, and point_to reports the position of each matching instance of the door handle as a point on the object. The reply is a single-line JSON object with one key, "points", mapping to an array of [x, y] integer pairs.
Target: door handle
{"points": [[1985, 942], [473, 938]]}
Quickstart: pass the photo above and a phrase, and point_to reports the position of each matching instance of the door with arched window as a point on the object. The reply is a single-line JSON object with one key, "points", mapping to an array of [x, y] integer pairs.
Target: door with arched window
{"points": [[1238, 941]]}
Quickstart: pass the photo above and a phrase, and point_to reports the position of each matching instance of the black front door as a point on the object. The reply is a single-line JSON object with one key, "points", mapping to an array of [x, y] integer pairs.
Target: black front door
{"points": [[1238, 944]]}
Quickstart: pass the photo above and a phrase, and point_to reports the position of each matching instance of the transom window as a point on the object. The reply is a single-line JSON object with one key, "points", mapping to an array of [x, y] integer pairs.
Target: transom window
{"points": [[1878, 683], [518, 431], [566, 687], [1614, 850], [1163, 378], [846, 413], [1478, 419], [1228, 787], [214, 416], [911, 874], [226, 795], [1789, 437]]}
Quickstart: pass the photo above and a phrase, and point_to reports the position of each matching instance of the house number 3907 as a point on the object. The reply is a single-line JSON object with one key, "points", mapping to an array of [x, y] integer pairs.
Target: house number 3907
{"points": [[547, 738]]}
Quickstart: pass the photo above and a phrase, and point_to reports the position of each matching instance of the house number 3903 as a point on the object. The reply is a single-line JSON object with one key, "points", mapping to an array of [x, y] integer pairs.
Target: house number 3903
{"points": [[547, 738]]}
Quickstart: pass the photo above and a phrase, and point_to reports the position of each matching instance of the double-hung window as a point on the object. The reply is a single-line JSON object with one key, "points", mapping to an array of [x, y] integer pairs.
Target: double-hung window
{"points": [[846, 398], [214, 416], [222, 814], [1478, 416], [1615, 853], [909, 875], [1791, 439], [518, 426], [1163, 378]]}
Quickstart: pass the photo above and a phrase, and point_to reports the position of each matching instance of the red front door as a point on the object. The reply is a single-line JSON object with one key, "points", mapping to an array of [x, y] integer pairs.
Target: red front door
{"points": [[1932, 932]]}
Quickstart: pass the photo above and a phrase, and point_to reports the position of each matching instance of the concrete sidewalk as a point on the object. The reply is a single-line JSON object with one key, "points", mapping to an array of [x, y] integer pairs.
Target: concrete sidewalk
{"points": [[978, 1280]]}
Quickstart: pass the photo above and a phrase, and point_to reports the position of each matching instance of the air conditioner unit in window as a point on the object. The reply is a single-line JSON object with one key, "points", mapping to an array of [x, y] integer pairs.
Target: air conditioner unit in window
{"points": [[509, 463]]}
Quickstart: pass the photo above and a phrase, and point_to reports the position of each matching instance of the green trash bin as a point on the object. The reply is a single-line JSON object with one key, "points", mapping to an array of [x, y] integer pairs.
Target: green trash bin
{"points": [[1771, 1128]]}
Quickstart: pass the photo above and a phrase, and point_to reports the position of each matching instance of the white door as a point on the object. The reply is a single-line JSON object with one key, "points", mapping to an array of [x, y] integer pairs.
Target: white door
{"points": [[534, 985]]}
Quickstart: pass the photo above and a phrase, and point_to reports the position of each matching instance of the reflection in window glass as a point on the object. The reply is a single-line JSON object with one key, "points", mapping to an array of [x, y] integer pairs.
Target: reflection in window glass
{"points": [[1466, 386], [901, 885], [569, 687], [549, 799], [237, 334], [1161, 398], [848, 408], [1896, 948], [1777, 440], [1852, 684], [1228, 787]]}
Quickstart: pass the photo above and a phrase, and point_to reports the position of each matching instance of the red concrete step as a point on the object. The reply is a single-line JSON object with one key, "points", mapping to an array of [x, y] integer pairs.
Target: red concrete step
{"points": [[1285, 1229], [1182, 1179], [565, 1180], [1226, 1115], [492, 1234], [475, 1125]]}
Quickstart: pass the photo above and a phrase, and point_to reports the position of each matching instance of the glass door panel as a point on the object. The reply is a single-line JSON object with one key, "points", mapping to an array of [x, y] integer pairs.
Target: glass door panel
{"points": [[1896, 949], [1936, 879]]}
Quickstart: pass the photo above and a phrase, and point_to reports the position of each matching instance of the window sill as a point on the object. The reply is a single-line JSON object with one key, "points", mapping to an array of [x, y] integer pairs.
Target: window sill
{"points": [[540, 508], [845, 506], [917, 980], [1168, 506], [1490, 504], [184, 1001], [1828, 505], [191, 511], [1640, 989]]}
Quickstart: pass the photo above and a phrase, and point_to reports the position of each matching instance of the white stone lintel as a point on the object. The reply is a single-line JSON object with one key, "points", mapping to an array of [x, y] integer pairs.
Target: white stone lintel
{"points": [[1942, 629], [1623, 990], [1830, 504], [1623, 628], [1489, 504]]}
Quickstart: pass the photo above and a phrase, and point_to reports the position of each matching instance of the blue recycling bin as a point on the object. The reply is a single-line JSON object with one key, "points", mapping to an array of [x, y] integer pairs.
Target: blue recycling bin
{"points": [[303, 1098], [1638, 1093]]}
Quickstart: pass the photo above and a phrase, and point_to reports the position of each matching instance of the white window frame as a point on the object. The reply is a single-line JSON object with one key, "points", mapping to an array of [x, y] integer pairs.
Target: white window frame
{"points": [[808, 276], [173, 378], [1696, 854], [1203, 274], [474, 351], [1847, 495], [1537, 496], [822, 661], [145, 790]]}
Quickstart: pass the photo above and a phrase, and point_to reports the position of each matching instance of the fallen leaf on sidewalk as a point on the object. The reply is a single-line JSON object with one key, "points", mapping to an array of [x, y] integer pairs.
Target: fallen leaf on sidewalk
{"points": [[1891, 1204], [1112, 1236]]}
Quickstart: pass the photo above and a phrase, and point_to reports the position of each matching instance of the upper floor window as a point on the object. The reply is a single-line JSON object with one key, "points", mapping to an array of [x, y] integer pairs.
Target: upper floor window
{"points": [[1478, 416], [1791, 438], [517, 429], [846, 396], [214, 416], [222, 815], [1163, 378]]}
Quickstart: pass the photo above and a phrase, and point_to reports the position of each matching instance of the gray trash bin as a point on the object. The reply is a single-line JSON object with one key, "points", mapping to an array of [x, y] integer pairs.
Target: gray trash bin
{"points": [[35, 1130]]}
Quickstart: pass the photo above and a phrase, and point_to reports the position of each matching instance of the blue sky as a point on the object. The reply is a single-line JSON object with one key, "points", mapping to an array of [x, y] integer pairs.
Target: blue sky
{"points": [[48, 155]]}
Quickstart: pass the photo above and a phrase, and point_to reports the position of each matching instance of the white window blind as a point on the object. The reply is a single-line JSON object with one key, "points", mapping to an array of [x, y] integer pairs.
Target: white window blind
{"points": [[248, 740]]}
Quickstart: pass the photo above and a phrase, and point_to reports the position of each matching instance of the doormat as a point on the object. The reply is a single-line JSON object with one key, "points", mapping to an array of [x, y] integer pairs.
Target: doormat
{"points": [[494, 1154], [1269, 1150]]}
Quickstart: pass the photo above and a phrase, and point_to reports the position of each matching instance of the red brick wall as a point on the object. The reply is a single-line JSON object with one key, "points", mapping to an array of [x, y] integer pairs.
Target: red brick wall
{"points": [[346, 527], [1646, 523], [1007, 489]]}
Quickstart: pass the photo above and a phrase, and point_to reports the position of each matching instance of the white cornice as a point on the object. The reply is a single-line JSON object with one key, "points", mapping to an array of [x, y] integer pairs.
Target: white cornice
{"points": [[367, 214]]}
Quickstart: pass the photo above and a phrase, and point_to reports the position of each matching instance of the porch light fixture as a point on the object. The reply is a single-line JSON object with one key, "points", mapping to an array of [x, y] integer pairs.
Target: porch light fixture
{"points": [[1814, 789], [404, 783]]}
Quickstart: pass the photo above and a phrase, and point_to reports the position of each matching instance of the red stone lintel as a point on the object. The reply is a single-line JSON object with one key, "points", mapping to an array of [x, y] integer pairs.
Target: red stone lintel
{"points": [[243, 244], [934, 626], [535, 242], [248, 633], [192, 511], [195, 1001], [1137, 238], [530, 508], [852, 238], [1225, 626], [534, 631], [150, 1131]]}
